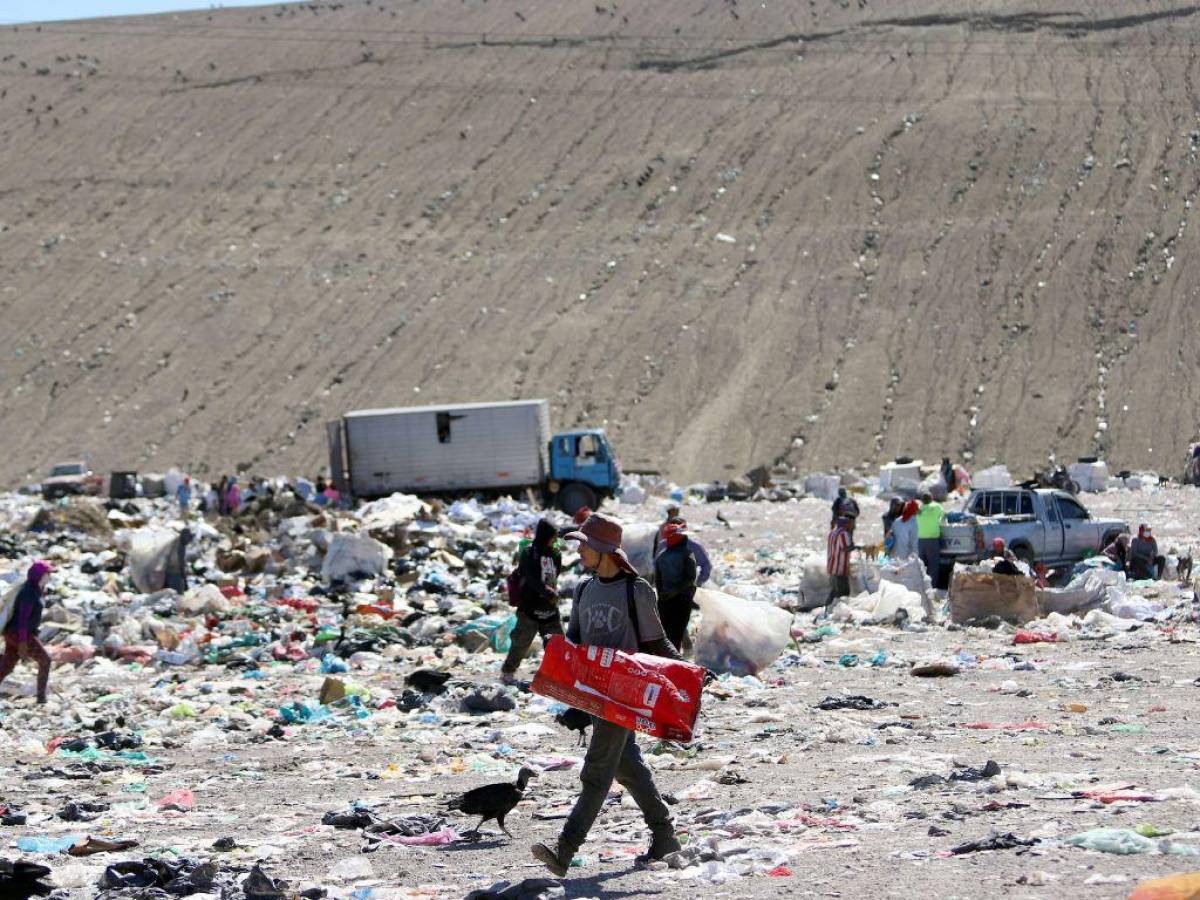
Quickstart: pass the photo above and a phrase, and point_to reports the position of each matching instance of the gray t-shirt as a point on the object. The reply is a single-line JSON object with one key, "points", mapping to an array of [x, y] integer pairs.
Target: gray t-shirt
{"points": [[600, 614]]}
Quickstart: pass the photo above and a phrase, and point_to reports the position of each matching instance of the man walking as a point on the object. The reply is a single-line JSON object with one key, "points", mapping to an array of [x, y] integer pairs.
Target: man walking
{"points": [[537, 607], [613, 608], [837, 559], [676, 574]]}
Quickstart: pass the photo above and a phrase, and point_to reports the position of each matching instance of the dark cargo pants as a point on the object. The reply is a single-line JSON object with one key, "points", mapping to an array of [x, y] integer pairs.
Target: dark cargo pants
{"points": [[613, 754], [522, 636]]}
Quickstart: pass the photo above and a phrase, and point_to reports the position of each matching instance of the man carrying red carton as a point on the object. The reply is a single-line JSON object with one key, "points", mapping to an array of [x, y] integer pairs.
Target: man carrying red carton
{"points": [[612, 609]]}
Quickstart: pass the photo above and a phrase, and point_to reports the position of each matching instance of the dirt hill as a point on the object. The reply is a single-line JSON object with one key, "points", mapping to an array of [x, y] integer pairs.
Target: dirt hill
{"points": [[731, 232]]}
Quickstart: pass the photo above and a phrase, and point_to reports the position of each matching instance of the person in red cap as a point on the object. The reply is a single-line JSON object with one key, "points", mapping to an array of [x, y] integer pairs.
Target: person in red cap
{"points": [[1006, 560], [21, 629], [613, 608], [676, 574]]}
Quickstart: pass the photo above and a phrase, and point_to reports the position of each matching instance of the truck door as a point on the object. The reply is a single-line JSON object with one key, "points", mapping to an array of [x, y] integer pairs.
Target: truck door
{"points": [[591, 460], [562, 458], [1054, 530], [1078, 534]]}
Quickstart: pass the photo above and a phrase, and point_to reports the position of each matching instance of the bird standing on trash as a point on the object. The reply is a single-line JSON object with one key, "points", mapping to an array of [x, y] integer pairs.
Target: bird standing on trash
{"points": [[493, 801], [574, 719]]}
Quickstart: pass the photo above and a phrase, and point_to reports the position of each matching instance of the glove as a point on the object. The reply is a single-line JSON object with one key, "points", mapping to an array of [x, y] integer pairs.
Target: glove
{"points": [[709, 677]]}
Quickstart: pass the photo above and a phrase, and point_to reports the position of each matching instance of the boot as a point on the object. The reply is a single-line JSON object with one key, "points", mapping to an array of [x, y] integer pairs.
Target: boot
{"points": [[557, 858], [662, 845]]}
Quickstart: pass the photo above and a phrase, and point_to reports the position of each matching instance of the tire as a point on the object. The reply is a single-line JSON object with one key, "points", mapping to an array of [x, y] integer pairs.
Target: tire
{"points": [[575, 495]]}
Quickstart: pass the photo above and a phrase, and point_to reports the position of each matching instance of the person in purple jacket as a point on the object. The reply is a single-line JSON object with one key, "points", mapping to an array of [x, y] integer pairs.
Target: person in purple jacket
{"points": [[21, 632]]}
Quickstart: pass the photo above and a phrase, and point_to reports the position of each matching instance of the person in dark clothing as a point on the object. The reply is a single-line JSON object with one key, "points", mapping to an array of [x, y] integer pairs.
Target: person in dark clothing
{"points": [[176, 571], [676, 574], [537, 611], [949, 476], [1145, 563], [614, 608], [894, 511], [1118, 551], [1006, 560], [21, 630], [844, 506], [673, 518]]}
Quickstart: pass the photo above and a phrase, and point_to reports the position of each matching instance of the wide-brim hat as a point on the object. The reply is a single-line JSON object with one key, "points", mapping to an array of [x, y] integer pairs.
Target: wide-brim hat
{"points": [[603, 535]]}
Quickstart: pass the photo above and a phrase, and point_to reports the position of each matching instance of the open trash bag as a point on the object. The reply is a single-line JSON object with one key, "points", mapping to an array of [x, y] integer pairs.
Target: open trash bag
{"points": [[739, 636]]}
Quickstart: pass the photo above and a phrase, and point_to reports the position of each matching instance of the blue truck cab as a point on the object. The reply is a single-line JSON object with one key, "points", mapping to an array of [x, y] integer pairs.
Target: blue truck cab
{"points": [[583, 469]]}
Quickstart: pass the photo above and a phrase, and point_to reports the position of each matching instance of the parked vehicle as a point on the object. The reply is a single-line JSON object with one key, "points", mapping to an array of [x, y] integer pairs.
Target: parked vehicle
{"points": [[71, 478], [1043, 525], [470, 447]]}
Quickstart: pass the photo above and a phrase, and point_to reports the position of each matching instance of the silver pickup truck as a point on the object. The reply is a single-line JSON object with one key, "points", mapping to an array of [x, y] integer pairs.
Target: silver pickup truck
{"points": [[1045, 526]]}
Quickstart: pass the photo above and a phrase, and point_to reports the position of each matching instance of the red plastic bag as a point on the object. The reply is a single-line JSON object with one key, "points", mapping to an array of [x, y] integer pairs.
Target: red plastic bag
{"points": [[1035, 637], [656, 696]]}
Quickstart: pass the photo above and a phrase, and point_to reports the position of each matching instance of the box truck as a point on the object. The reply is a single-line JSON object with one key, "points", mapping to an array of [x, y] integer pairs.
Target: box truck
{"points": [[469, 447]]}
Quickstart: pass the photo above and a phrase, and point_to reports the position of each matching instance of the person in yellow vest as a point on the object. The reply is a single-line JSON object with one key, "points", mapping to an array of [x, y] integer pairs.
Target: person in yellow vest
{"points": [[929, 535]]}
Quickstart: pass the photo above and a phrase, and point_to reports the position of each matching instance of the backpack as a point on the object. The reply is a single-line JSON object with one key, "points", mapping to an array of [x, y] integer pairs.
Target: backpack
{"points": [[512, 587]]}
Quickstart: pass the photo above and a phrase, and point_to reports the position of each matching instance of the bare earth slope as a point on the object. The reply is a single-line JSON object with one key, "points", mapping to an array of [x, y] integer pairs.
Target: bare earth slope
{"points": [[716, 227]]}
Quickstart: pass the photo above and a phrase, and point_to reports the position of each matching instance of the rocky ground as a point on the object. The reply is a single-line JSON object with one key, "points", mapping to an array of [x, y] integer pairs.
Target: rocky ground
{"points": [[775, 796], [829, 232]]}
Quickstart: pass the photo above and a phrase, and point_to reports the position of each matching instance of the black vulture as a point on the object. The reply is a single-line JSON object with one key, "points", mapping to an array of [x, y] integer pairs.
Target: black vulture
{"points": [[493, 801], [428, 681], [574, 719]]}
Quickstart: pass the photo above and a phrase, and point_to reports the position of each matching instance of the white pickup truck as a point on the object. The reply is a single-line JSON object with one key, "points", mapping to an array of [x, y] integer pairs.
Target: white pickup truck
{"points": [[1046, 526]]}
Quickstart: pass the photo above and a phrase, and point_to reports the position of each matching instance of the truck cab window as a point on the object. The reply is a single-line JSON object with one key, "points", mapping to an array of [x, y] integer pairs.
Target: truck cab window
{"points": [[443, 428], [1070, 509], [587, 448], [1026, 505], [1011, 501]]}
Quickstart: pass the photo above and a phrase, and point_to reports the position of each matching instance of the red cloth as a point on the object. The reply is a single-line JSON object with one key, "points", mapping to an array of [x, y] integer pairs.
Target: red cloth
{"points": [[674, 534], [910, 510], [837, 556], [656, 696]]}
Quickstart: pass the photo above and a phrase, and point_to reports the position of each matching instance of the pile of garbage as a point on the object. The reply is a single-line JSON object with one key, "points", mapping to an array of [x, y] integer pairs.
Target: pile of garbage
{"points": [[285, 702]]}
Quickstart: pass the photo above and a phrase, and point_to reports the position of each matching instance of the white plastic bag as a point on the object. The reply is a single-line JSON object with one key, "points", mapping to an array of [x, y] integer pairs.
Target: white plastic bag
{"points": [[907, 572], [739, 636], [148, 550], [638, 544], [351, 553], [8, 601]]}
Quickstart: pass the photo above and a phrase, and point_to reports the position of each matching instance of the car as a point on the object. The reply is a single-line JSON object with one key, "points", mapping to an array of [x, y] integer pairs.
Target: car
{"points": [[1037, 525], [69, 478]]}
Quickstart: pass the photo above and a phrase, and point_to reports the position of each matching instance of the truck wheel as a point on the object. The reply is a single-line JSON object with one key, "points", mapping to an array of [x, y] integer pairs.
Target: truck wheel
{"points": [[574, 496]]}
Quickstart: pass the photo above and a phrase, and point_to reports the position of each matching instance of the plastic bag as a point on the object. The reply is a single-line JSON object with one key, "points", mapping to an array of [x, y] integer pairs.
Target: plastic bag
{"points": [[907, 572], [8, 602], [148, 551], [351, 554], [1112, 840], [739, 636], [638, 544], [893, 597], [656, 696], [497, 627]]}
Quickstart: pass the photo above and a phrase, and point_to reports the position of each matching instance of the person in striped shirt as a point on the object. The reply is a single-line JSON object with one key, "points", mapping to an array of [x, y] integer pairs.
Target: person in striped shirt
{"points": [[837, 558]]}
